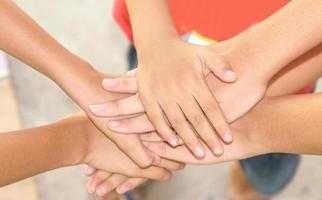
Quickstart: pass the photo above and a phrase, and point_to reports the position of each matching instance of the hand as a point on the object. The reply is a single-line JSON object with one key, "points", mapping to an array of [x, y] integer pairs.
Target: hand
{"points": [[248, 142], [102, 153], [176, 85], [101, 182], [235, 99]]}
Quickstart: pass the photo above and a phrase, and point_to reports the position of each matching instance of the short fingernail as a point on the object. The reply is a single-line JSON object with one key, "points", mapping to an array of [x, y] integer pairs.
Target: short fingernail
{"points": [[98, 109], [199, 152], [89, 188], [109, 83], [228, 137], [92, 188], [113, 124], [173, 142], [122, 189], [131, 72], [89, 170], [230, 73], [218, 151], [101, 191]]}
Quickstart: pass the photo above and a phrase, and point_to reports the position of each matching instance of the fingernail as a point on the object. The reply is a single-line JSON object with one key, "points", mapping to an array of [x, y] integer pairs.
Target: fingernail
{"points": [[89, 170], [89, 188], [92, 188], [218, 151], [98, 109], [131, 72], [122, 189], [230, 73], [228, 137], [199, 152], [109, 83], [173, 142], [101, 191], [113, 124]]}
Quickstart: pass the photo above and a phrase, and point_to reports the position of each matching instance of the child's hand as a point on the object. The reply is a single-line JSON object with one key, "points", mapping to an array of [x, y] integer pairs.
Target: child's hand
{"points": [[101, 183], [171, 80], [102, 153]]}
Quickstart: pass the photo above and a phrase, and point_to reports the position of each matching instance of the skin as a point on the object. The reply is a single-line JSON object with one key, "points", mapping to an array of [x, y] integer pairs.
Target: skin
{"points": [[295, 76], [171, 80], [163, 57], [72, 141], [25, 40]]}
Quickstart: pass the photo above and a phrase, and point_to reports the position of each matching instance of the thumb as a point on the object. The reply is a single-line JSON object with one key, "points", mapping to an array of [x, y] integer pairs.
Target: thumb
{"points": [[221, 68]]}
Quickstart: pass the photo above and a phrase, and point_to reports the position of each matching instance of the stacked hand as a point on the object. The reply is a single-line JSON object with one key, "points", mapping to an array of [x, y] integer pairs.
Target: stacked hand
{"points": [[119, 171], [232, 100]]}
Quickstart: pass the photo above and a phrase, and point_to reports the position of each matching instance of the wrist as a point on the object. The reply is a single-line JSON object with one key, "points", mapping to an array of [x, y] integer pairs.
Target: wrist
{"points": [[82, 83], [254, 50], [256, 131], [146, 45], [73, 143]]}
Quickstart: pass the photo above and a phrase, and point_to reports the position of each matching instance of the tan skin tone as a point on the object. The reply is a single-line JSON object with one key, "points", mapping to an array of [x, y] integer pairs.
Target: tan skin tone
{"points": [[25, 40], [301, 71], [295, 76], [61, 62], [167, 65]]}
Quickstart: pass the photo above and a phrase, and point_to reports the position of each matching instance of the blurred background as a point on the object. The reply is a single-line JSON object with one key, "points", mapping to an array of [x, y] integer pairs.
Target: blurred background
{"points": [[29, 99]]}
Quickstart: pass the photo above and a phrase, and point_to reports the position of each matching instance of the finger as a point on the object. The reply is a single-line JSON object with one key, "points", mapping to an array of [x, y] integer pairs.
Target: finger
{"points": [[151, 137], [132, 73], [221, 68], [155, 115], [183, 129], [132, 146], [171, 165], [95, 180], [126, 106], [202, 126], [109, 184], [138, 124], [180, 153], [121, 85], [213, 112], [154, 137], [89, 171], [130, 184]]}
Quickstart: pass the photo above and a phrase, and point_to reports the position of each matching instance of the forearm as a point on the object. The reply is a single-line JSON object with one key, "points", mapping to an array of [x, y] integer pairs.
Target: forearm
{"points": [[290, 124], [27, 41], [298, 74], [29, 152], [281, 38], [151, 21]]}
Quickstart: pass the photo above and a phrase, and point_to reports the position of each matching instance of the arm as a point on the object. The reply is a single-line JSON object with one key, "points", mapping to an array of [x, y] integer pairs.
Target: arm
{"points": [[289, 124], [24, 39], [182, 97], [284, 36], [72, 141]]}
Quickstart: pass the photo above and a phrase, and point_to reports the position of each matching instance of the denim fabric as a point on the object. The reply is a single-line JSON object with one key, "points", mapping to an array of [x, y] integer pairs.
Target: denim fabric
{"points": [[270, 173]]}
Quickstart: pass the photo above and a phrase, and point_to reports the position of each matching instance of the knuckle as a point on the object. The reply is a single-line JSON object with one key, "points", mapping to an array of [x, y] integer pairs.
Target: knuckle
{"points": [[198, 119], [124, 82], [178, 121], [162, 148], [163, 175]]}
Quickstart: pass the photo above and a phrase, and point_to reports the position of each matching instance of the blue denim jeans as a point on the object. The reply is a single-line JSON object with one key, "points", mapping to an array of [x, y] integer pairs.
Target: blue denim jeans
{"points": [[269, 173]]}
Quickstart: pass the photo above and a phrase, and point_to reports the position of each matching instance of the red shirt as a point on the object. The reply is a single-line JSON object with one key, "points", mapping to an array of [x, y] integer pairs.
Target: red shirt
{"points": [[214, 19]]}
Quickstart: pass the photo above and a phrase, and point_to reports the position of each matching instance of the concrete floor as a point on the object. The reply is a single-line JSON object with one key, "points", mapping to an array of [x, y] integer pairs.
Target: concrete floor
{"points": [[87, 29]]}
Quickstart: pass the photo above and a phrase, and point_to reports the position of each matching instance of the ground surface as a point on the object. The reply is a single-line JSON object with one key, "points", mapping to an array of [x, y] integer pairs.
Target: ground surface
{"points": [[87, 28]]}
